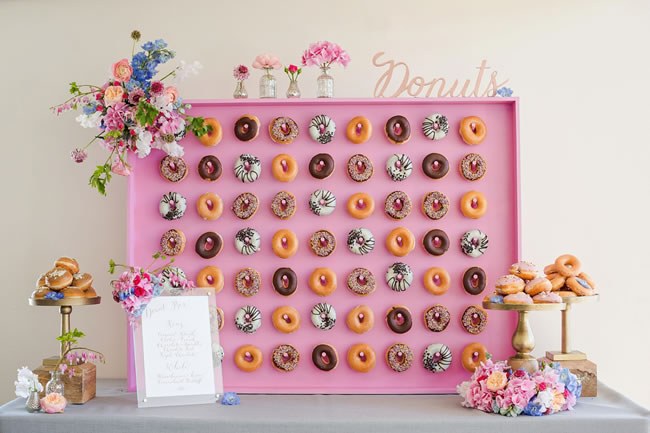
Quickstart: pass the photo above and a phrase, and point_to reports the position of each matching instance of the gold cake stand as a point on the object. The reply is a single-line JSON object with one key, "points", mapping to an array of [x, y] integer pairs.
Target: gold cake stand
{"points": [[523, 340], [566, 354]]}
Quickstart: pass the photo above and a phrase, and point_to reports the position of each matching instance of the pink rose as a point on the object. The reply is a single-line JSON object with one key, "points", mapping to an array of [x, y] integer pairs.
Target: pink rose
{"points": [[113, 95], [293, 68], [496, 381], [53, 403], [122, 70], [172, 94]]}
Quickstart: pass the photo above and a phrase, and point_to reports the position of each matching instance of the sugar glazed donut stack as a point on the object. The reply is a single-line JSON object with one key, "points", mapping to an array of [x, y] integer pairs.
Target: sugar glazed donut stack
{"points": [[567, 278], [64, 280], [523, 285]]}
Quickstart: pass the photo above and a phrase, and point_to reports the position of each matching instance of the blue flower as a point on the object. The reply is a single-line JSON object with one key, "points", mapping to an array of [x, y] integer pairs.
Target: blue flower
{"points": [[496, 299], [89, 109], [571, 382], [159, 44], [230, 399], [148, 46], [534, 408], [54, 295], [504, 92]]}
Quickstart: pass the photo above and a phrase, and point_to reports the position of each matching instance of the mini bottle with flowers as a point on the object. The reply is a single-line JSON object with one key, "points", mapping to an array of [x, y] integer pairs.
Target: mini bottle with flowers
{"points": [[293, 72], [241, 74]]}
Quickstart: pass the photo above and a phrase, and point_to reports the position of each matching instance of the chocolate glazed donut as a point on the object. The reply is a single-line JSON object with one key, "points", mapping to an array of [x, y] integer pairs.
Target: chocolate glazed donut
{"points": [[208, 245], [436, 242], [321, 166], [246, 128], [399, 320], [405, 129], [327, 362], [474, 280], [285, 281], [210, 168], [435, 166]]}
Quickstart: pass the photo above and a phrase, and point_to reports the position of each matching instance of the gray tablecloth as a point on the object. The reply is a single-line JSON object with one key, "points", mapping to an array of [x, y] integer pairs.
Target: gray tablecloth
{"points": [[115, 410]]}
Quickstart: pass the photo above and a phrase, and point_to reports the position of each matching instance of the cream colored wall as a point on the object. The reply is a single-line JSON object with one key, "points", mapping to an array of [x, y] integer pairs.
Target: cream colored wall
{"points": [[579, 67]]}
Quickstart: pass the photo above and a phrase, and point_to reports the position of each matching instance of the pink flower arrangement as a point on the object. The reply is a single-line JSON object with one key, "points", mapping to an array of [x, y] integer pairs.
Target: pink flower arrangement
{"points": [[266, 61], [241, 73], [324, 54], [292, 72], [53, 403], [495, 388]]}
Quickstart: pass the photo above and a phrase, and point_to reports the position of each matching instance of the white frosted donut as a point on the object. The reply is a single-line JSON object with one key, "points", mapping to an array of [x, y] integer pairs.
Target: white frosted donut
{"points": [[361, 241], [399, 166], [437, 357], [248, 319], [323, 316], [435, 127], [474, 243], [172, 206], [399, 276], [248, 168], [247, 241], [322, 202], [170, 280], [322, 129]]}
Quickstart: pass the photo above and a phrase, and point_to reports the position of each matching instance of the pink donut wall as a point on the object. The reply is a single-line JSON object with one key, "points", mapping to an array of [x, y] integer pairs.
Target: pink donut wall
{"points": [[500, 223]]}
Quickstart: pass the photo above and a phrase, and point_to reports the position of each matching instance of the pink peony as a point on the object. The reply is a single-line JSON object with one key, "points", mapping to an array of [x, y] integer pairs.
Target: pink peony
{"points": [[122, 70], [171, 93], [53, 403], [266, 61], [135, 95]]}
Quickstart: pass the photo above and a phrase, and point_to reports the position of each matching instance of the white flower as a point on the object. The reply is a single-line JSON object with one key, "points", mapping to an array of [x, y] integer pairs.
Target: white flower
{"points": [[545, 398], [185, 70], [89, 121], [173, 149], [26, 383], [162, 103], [143, 144]]}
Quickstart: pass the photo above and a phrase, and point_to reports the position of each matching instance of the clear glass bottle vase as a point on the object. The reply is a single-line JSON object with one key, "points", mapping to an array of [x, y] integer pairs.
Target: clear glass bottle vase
{"points": [[267, 84], [240, 91], [325, 84], [55, 384], [33, 402], [293, 91]]}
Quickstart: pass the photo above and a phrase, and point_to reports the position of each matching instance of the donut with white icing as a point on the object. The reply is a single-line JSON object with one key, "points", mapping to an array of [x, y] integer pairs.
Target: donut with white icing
{"points": [[399, 167], [474, 243], [172, 206], [248, 319], [435, 126], [322, 202], [171, 278], [399, 277], [247, 241], [437, 358], [323, 316], [322, 129], [248, 168], [361, 241]]}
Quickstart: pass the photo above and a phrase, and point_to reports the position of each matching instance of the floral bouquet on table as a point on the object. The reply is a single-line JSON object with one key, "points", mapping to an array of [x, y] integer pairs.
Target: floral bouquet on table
{"points": [[133, 112], [495, 388]]}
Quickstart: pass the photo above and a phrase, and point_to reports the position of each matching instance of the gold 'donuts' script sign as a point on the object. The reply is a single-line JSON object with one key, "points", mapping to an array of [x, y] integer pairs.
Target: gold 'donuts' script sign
{"points": [[389, 84]]}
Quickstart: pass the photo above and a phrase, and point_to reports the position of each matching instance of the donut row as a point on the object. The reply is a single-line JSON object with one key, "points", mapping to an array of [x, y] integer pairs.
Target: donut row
{"points": [[322, 129], [322, 202], [360, 241], [247, 168]]}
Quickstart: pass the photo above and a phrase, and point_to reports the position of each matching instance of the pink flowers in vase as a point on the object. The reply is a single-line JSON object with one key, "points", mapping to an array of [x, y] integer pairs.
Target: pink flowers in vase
{"points": [[292, 72], [241, 73], [324, 54], [266, 61]]}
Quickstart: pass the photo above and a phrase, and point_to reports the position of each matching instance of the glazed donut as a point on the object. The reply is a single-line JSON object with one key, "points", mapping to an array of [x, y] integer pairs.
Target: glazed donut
{"points": [[436, 242], [359, 130], [400, 241], [208, 245], [520, 298], [437, 318], [399, 319], [284, 167], [322, 202], [437, 281], [474, 280], [210, 168], [285, 281], [399, 167], [361, 241], [322, 243], [550, 269], [580, 287], [322, 129], [472, 130], [248, 319], [248, 168], [286, 319], [568, 265], [323, 281], [566, 294], [283, 130], [325, 357], [360, 319], [473, 166], [321, 166], [245, 205], [91, 293], [214, 134], [472, 356], [173, 168], [474, 319], [58, 279], [172, 206], [247, 127], [171, 278], [435, 205], [285, 357], [537, 286], [398, 130], [248, 358], [40, 293], [398, 205], [436, 358], [210, 276], [361, 358], [509, 284], [283, 205], [248, 282], [399, 277], [399, 357], [67, 263], [435, 166], [588, 279], [323, 316], [247, 241], [435, 126], [474, 243], [284, 243], [524, 270], [360, 168], [361, 205], [547, 298], [72, 292], [209, 206], [172, 242], [473, 204], [361, 281], [557, 283], [82, 281]]}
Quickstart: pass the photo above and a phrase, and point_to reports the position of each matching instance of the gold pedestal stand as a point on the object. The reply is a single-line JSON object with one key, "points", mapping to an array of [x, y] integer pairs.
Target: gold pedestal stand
{"points": [[523, 340], [82, 386]]}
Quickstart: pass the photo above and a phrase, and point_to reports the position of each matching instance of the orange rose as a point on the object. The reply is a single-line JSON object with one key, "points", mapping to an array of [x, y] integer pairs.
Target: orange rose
{"points": [[113, 95], [122, 70], [496, 381], [53, 403]]}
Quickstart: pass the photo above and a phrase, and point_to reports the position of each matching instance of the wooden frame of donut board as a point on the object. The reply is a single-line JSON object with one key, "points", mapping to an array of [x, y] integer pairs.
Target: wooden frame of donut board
{"points": [[501, 223]]}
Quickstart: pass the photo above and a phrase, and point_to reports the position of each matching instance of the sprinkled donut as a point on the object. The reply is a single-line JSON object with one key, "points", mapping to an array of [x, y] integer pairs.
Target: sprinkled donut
{"points": [[170, 280], [399, 277], [399, 319], [284, 167], [359, 130], [321, 166], [322, 202], [474, 243], [398, 130], [361, 281], [172, 206], [285, 357], [400, 241], [436, 318], [283, 130], [436, 242], [435, 205], [173, 168], [322, 243], [247, 241], [245, 205], [435, 166], [435, 126], [398, 205], [436, 280], [360, 168], [361, 358], [474, 319], [248, 168], [248, 358], [248, 319], [436, 358], [172, 242], [214, 134], [208, 245], [473, 166], [323, 316], [361, 205], [210, 276], [284, 243], [209, 206], [247, 127], [322, 129], [474, 280], [360, 319], [285, 281], [322, 281], [361, 241], [283, 205], [210, 168], [399, 357], [325, 357], [286, 319], [473, 204], [472, 356], [399, 167], [248, 282], [472, 130]]}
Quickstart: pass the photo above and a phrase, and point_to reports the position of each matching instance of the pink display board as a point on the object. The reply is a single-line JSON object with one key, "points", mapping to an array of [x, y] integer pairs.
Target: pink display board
{"points": [[500, 223]]}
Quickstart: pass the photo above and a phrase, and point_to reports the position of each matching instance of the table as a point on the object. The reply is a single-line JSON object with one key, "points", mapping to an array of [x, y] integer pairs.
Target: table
{"points": [[114, 410]]}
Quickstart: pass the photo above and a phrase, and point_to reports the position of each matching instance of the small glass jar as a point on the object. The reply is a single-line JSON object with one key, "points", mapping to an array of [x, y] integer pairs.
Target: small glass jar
{"points": [[325, 84], [267, 84], [33, 402], [293, 91], [240, 91], [55, 384]]}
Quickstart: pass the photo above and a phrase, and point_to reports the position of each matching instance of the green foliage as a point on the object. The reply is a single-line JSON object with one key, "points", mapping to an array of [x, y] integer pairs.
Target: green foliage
{"points": [[146, 113], [100, 178], [74, 88], [71, 337], [111, 266], [197, 126]]}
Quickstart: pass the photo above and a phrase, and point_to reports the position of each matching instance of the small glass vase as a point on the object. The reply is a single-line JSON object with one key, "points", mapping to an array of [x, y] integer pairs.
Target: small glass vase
{"points": [[55, 384], [325, 84], [33, 403], [240, 91], [267, 84], [293, 91]]}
